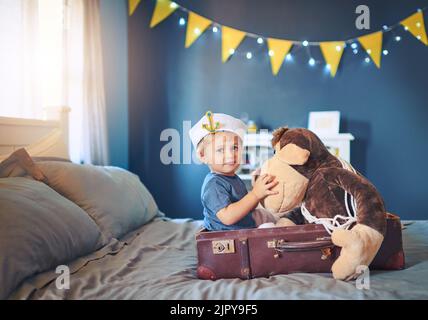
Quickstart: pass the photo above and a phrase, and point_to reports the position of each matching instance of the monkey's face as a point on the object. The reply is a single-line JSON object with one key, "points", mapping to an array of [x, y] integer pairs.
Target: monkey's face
{"points": [[297, 154], [300, 148], [291, 185]]}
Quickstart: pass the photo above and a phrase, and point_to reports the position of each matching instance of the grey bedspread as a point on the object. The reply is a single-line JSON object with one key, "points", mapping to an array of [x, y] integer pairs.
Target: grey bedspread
{"points": [[159, 262]]}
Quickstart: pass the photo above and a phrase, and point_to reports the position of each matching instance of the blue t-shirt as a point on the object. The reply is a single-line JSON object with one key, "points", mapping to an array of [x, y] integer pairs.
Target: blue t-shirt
{"points": [[218, 191]]}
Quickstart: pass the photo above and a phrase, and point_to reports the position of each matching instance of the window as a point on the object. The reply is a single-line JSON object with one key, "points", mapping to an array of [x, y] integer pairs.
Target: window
{"points": [[31, 56], [44, 62]]}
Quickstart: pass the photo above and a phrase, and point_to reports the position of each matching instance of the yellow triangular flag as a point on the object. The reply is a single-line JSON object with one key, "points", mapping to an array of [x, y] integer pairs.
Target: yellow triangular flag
{"points": [[332, 52], [415, 24], [230, 40], [279, 49], [163, 10], [373, 45], [196, 25], [133, 4]]}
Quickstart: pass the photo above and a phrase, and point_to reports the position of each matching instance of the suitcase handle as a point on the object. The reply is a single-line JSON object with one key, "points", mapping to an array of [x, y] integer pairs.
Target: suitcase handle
{"points": [[304, 245]]}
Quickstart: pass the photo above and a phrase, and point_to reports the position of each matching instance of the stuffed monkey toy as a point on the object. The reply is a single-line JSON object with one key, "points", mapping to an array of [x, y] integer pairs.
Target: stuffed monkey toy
{"points": [[313, 181]]}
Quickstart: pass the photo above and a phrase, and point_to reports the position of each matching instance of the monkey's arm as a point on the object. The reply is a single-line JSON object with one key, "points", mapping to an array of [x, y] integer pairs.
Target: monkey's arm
{"points": [[360, 244]]}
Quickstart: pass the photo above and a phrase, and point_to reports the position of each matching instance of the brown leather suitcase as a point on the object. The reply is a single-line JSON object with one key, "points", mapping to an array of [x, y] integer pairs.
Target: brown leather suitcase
{"points": [[252, 253]]}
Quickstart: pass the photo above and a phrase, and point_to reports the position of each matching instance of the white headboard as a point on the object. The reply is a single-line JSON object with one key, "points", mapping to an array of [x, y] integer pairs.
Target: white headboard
{"points": [[41, 138]]}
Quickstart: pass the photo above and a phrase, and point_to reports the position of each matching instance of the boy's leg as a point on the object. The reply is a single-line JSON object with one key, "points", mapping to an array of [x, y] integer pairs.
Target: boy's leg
{"points": [[265, 219], [263, 216]]}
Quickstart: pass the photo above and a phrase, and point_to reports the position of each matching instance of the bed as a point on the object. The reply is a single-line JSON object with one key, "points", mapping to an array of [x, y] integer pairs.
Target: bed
{"points": [[160, 263], [117, 244]]}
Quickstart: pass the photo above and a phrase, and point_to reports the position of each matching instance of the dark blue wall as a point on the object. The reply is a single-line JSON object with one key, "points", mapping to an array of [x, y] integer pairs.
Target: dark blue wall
{"points": [[114, 29], [386, 110]]}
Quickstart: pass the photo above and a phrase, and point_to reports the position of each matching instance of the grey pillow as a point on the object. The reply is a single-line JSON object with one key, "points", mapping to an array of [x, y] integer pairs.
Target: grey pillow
{"points": [[39, 230], [115, 198]]}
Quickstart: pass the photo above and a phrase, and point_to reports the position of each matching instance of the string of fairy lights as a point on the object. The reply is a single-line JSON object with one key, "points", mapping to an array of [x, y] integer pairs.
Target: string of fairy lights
{"points": [[297, 45]]}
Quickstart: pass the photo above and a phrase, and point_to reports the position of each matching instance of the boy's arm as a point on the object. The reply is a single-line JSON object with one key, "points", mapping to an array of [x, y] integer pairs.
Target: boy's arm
{"points": [[239, 209]]}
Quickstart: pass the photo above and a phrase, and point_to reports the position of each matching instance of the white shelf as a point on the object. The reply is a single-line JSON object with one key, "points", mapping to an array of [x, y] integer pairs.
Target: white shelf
{"points": [[245, 176], [258, 147], [258, 140], [339, 137], [339, 145]]}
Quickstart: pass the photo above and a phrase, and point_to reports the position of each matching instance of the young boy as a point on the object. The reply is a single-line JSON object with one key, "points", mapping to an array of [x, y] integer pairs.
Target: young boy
{"points": [[217, 139]]}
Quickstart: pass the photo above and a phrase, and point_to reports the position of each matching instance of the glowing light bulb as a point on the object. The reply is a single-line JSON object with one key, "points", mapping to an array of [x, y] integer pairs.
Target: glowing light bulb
{"points": [[355, 51], [418, 37], [311, 62], [367, 60], [197, 31], [369, 51], [305, 43], [271, 53], [338, 48], [173, 5], [385, 27], [289, 57], [385, 52], [354, 46], [406, 28], [397, 38], [259, 40], [231, 51], [418, 24], [249, 55], [182, 22], [215, 29], [327, 66]]}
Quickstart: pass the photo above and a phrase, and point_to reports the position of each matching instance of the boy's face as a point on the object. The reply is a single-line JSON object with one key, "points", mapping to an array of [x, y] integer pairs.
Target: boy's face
{"points": [[222, 152]]}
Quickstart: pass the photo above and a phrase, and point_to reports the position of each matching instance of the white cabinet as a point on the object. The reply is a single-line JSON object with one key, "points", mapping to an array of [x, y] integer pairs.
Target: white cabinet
{"points": [[339, 145], [257, 149]]}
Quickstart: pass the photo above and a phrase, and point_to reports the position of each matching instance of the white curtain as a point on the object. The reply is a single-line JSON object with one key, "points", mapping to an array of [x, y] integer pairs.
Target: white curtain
{"points": [[51, 55], [95, 119], [85, 81]]}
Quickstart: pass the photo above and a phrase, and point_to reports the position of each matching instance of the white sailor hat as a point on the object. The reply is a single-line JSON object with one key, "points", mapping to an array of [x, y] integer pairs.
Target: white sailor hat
{"points": [[216, 122]]}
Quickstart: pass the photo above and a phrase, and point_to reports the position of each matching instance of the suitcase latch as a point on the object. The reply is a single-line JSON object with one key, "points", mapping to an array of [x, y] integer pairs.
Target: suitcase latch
{"points": [[223, 246], [275, 243]]}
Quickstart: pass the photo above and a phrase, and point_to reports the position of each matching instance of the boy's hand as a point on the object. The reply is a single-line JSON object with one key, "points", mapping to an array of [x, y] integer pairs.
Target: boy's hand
{"points": [[263, 185]]}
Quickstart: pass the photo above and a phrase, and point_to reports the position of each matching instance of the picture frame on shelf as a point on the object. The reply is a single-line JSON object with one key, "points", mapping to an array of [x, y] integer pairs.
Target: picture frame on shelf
{"points": [[324, 123]]}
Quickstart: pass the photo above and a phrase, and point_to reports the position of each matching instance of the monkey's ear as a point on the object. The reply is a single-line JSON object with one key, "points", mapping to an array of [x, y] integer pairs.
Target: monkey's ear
{"points": [[277, 135], [293, 154]]}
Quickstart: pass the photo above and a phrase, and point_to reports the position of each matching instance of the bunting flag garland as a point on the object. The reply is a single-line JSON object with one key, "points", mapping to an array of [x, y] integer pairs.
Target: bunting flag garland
{"points": [[230, 40], [415, 24], [332, 52], [163, 9], [373, 45], [280, 49], [133, 4], [196, 25]]}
